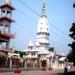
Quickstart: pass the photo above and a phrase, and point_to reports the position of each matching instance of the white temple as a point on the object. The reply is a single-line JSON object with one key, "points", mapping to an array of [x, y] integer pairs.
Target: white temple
{"points": [[40, 56]]}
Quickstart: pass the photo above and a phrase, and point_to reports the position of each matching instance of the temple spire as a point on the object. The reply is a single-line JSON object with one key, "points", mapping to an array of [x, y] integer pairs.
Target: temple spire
{"points": [[43, 9], [7, 2]]}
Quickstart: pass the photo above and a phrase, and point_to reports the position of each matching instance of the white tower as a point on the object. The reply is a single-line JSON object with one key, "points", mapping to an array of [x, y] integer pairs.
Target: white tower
{"points": [[43, 33]]}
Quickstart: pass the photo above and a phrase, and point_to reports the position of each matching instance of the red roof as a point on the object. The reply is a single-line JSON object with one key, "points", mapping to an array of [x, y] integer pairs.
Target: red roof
{"points": [[6, 35], [6, 18], [6, 49], [8, 6]]}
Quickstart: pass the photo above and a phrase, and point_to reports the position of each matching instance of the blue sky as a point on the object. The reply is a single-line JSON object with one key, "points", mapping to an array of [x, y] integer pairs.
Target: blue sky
{"points": [[60, 15]]}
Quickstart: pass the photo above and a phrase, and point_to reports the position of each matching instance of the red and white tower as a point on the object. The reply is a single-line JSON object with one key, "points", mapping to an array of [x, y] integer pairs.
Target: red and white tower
{"points": [[5, 22]]}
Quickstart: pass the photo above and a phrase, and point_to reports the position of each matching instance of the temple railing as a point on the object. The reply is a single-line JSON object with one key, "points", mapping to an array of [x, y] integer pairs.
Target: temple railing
{"points": [[2, 48], [7, 34]]}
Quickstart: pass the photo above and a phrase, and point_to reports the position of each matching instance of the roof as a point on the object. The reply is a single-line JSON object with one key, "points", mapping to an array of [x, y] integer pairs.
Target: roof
{"points": [[51, 54], [60, 54], [42, 52], [29, 50], [4, 18], [30, 56], [7, 5], [62, 59]]}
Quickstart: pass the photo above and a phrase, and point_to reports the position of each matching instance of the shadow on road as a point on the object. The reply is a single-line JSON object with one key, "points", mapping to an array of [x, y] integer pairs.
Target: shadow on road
{"points": [[67, 73]]}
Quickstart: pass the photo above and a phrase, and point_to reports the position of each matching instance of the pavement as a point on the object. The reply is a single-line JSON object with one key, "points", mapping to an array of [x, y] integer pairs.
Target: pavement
{"points": [[44, 72]]}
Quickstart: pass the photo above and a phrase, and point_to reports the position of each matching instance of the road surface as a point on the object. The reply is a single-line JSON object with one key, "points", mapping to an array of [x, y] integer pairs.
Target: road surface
{"points": [[39, 72]]}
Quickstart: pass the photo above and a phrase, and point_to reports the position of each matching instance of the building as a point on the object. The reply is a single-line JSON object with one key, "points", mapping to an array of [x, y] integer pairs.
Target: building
{"points": [[6, 57], [40, 56]]}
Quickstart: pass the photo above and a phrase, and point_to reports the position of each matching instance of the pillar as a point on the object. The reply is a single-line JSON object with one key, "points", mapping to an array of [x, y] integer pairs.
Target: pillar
{"points": [[10, 63], [33, 64], [40, 65], [6, 62], [48, 63], [51, 62], [25, 64], [7, 44]]}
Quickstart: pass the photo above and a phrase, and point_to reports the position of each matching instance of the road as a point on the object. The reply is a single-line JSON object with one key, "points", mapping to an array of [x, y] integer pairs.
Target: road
{"points": [[39, 72]]}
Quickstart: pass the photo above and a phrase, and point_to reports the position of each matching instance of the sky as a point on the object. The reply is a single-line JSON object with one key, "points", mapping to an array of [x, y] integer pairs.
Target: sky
{"points": [[60, 15]]}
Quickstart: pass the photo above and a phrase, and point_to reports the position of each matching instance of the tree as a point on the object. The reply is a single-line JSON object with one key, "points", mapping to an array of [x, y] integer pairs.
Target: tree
{"points": [[20, 52], [71, 55], [72, 30], [51, 49]]}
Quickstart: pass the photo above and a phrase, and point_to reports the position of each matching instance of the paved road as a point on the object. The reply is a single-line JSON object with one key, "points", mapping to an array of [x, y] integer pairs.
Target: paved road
{"points": [[47, 72]]}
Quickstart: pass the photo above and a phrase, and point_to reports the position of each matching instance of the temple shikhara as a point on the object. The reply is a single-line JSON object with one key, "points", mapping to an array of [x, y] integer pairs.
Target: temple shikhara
{"points": [[40, 56], [37, 56]]}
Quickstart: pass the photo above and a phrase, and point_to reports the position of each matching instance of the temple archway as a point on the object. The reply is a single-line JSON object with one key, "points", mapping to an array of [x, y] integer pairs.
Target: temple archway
{"points": [[43, 63]]}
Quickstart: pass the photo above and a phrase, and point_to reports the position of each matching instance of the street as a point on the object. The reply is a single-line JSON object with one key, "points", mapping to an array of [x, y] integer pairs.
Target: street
{"points": [[45, 72]]}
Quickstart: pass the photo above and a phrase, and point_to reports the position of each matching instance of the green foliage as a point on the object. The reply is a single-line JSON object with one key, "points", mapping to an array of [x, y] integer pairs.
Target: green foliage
{"points": [[74, 5], [20, 52], [71, 55], [51, 49], [72, 30]]}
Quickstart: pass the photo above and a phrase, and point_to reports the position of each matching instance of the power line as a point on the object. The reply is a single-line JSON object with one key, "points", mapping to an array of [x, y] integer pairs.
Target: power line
{"points": [[22, 27], [23, 30], [57, 28], [24, 4], [25, 15]]}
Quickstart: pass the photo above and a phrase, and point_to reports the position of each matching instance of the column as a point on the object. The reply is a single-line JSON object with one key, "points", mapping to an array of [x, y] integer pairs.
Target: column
{"points": [[33, 65], [6, 62], [7, 44], [51, 62], [25, 64], [48, 63], [40, 65], [10, 63]]}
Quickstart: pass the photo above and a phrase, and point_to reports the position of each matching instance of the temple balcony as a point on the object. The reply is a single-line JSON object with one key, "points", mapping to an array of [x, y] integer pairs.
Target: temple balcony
{"points": [[5, 36], [4, 20], [4, 49]]}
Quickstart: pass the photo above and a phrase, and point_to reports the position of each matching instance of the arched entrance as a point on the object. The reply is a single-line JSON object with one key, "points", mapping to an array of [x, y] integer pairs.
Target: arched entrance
{"points": [[43, 63]]}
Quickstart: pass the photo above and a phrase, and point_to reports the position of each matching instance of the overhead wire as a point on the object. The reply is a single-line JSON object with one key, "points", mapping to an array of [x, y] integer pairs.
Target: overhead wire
{"points": [[25, 4], [54, 26]]}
